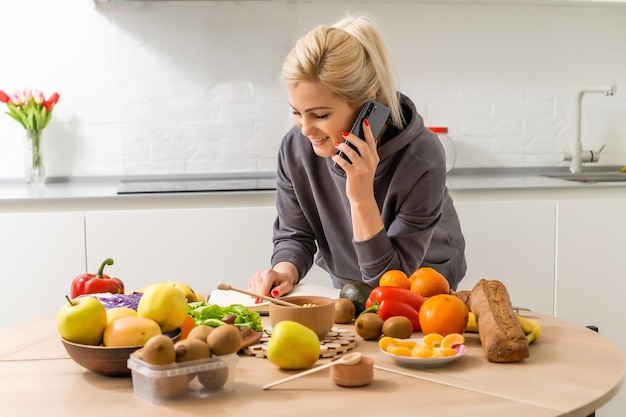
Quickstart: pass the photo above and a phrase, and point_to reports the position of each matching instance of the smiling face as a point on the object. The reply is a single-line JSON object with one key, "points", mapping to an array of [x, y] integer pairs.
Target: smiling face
{"points": [[320, 115]]}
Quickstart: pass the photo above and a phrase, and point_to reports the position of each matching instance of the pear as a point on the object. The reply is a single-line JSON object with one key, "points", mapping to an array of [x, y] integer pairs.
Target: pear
{"points": [[293, 346]]}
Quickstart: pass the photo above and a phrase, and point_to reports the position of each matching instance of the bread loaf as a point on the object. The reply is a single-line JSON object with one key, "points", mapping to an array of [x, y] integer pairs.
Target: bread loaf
{"points": [[463, 295], [501, 335]]}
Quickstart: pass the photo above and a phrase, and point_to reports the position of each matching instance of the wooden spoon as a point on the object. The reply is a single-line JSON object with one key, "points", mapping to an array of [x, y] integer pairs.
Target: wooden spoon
{"points": [[349, 359], [224, 286]]}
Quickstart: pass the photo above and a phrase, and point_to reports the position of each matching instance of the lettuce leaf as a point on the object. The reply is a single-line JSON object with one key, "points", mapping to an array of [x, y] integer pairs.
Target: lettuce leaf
{"points": [[212, 314]]}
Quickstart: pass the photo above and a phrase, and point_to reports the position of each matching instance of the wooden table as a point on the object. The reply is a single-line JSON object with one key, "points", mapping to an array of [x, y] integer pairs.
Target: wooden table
{"points": [[571, 371]]}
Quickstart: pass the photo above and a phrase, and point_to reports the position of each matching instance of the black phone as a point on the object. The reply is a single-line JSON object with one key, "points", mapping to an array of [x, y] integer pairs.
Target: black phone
{"points": [[377, 115]]}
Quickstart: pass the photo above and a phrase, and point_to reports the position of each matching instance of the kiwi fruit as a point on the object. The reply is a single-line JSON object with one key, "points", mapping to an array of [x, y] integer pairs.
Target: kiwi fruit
{"points": [[138, 354], [191, 350], [165, 388], [214, 379], [399, 327], [159, 350], [224, 340], [344, 311], [200, 332], [369, 326]]}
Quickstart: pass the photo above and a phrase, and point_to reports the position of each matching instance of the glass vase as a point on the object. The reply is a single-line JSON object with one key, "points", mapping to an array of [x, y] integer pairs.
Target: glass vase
{"points": [[34, 168]]}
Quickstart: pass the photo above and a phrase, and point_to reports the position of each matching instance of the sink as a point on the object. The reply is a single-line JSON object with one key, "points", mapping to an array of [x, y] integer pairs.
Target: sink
{"points": [[591, 176]]}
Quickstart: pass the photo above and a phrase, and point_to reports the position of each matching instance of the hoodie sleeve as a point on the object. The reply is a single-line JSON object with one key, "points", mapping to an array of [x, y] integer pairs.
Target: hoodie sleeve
{"points": [[294, 240]]}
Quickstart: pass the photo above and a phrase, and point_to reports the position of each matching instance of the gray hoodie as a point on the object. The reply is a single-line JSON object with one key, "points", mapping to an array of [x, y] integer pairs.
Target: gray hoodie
{"points": [[421, 224]]}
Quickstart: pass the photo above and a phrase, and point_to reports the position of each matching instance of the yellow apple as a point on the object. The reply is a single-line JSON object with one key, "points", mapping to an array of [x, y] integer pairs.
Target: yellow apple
{"points": [[119, 312], [293, 346], [164, 304], [82, 320]]}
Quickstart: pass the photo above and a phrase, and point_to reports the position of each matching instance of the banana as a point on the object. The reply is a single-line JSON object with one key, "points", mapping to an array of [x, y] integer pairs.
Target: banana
{"points": [[189, 294], [531, 328], [472, 325]]}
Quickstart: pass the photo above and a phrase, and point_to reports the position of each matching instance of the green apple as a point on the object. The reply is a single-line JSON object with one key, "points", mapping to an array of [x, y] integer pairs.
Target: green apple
{"points": [[164, 304], [82, 320], [293, 346]]}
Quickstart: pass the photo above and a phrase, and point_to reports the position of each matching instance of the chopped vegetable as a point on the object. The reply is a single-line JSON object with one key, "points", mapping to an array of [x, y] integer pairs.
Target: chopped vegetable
{"points": [[212, 314], [110, 300]]}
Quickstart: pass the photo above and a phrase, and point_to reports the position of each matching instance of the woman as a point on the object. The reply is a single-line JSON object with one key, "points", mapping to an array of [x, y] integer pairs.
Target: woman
{"points": [[386, 208]]}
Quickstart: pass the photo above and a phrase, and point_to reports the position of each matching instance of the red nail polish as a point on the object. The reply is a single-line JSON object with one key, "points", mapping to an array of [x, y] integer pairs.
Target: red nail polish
{"points": [[366, 122], [344, 133], [274, 293], [333, 155], [336, 143], [257, 301]]}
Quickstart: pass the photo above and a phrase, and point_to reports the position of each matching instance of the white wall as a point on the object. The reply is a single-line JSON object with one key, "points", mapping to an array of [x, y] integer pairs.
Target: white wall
{"points": [[192, 87]]}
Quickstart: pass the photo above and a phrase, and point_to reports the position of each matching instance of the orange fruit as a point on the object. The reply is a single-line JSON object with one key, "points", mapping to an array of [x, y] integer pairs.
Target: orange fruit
{"points": [[432, 340], [427, 282], [441, 352], [399, 350], [395, 278], [443, 314], [186, 327], [385, 342], [421, 351], [451, 340]]}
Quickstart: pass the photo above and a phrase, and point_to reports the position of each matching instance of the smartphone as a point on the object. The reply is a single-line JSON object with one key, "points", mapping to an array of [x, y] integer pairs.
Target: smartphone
{"points": [[377, 115]]}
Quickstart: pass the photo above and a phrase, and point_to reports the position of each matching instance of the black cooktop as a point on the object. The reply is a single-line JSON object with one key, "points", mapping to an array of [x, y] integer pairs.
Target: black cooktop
{"points": [[195, 185]]}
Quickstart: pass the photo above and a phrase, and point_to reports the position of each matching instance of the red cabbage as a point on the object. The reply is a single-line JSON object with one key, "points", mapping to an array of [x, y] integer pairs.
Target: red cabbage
{"points": [[110, 300]]}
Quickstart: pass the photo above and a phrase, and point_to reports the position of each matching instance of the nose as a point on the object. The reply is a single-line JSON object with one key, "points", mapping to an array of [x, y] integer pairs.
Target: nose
{"points": [[305, 127]]}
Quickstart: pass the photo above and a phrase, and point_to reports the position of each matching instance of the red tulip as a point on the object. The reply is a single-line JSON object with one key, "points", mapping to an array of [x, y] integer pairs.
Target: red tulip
{"points": [[4, 98], [54, 98]]}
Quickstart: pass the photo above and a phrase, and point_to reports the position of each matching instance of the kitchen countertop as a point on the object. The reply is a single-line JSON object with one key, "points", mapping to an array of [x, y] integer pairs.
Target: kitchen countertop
{"points": [[159, 187], [571, 371]]}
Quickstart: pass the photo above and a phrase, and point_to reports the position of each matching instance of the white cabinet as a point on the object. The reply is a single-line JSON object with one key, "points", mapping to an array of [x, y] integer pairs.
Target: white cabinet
{"points": [[591, 272], [197, 246], [513, 242], [41, 255]]}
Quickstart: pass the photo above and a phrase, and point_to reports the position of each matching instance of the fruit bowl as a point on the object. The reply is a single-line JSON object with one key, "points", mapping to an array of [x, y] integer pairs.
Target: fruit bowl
{"points": [[318, 315], [105, 360]]}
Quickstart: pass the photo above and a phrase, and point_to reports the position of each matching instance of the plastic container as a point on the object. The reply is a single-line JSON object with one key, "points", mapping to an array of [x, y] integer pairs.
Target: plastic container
{"points": [[201, 378], [448, 146]]}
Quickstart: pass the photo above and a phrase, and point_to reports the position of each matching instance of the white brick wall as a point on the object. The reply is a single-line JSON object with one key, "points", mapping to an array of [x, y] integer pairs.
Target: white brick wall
{"points": [[192, 87]]}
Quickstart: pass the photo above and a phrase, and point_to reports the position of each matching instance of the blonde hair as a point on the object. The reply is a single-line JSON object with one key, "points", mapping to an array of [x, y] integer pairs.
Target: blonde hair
{"points": [[351, 59]]}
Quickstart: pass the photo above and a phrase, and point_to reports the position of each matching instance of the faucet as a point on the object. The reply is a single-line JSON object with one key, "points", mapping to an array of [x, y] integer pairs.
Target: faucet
{"points": [[576, 166]]}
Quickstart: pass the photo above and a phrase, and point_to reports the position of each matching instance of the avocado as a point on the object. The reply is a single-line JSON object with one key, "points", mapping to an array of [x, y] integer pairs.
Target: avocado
{"points": [[358, 292]]}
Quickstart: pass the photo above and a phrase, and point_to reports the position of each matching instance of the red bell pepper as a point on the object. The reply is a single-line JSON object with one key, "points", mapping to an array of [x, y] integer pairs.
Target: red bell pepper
{"points": [[393, 301], [97, 283]]}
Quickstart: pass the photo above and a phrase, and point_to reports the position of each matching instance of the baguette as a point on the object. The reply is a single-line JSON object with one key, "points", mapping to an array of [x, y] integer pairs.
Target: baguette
{"points": [[463, 295], [501, 335]]}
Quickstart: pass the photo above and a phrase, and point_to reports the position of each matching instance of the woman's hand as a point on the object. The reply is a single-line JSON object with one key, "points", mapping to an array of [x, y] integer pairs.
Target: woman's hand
{"points": [[274, 282], [359, 174], [366, 218]]}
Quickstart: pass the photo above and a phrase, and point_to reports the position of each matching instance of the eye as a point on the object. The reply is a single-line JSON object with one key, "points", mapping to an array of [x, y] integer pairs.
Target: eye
{"points": [[320, 116]]}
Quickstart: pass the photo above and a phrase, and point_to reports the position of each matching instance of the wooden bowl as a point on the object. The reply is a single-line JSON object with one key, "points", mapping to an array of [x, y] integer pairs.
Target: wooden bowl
{"points": [[105, 360], [355, 375], [320, 317]]}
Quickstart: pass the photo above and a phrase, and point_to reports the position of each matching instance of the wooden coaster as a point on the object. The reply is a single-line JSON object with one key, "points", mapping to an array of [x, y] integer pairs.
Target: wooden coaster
{"points": [[336, 342]]}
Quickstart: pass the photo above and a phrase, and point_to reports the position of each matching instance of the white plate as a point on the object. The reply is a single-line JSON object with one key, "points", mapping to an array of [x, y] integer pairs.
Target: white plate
{"points": [[426, 362]]}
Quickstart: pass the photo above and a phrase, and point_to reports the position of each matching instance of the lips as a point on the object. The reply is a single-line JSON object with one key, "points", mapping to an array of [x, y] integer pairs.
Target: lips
{"points": [[318, 142]]}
